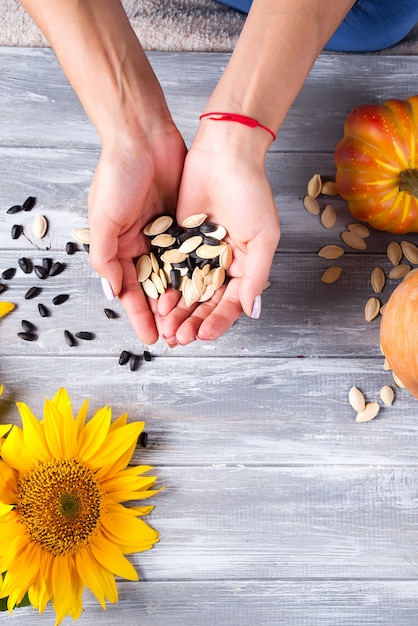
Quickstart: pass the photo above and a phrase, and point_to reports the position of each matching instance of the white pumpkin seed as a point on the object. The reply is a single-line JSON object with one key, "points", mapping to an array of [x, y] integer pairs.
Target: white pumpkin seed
{"points": [[399, 271], [356, 399], [331, 274], [314, 186], [398, 381], [329, 188], [154, 263], [150, 289], [39, 226], [219, 233], [82, 235], [225, 258], [386, 366], [163, 278], [207, 294], [218, 277], [410, 251], [191, 244], [197, 280], [173, 256], [394, 252], [190, 293], [157, 282], [328, 216], [311, 205], [369, 413], [209, 252], [359, 229], [163, 240], [372, 309], [378, 279], [331, 252], [353, 240], [158, 226], [194, 220], [387, 395], [143, 268]]}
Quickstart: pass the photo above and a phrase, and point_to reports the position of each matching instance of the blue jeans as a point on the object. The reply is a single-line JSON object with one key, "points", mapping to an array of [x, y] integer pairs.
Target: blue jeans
{"points": [[370, 25]]}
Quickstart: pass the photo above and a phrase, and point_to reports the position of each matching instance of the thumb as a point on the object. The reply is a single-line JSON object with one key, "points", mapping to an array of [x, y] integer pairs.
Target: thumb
{"points": [[258, 261], [103, 258]]}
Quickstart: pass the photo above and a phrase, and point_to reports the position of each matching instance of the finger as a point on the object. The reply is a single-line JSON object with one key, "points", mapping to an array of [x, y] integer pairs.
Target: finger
{"points": [[167, 301], [169, 325], [225, 313], [136, 305], [257, 266], [103, 253], [188, 330]]}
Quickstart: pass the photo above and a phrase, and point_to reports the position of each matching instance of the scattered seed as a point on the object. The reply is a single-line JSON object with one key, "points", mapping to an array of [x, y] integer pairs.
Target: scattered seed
{"points": [[372, 309], [25, 265], [328, 216], [398, 381], [353, 240], [16, 208], [28, 327], [29, 203], [60, 299], [147, 355], [56, 268], [39, 226], [394, 252], [69, 338], [311, 205], [70, 247], [399, 271], [86, 247], [331, 252], [47, 263], [27, 336], [124, 357], [369, 413], [143, 440], [43, 311], [9, 273], [359, 229], [110, 314], [410, 251], [134, 362], [17, 230], [356, 399], [81, 234], [84, 334], [3, 288], [387, 395], [41, 272], [33, 292], [332, 274], [329, 188], [378, 279], [314, 186]]}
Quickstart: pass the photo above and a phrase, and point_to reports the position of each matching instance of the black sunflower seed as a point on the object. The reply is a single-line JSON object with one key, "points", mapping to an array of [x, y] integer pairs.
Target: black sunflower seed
{"points": [[69, 338], [110, 314], [143, 440], [9, 273], [29, 203], [25, 265], [84, 334], [208, 227], [28, 327], [17, 230], [27, 336], [15, 209], [56, 268], [62, 297], [134, 362], [210, 241], [147, 355], [124, 357], [43, 311], [47, 263], [40, 271], [175, 277], [32, 293], [3, 287], [70, 247], [86, 247]]}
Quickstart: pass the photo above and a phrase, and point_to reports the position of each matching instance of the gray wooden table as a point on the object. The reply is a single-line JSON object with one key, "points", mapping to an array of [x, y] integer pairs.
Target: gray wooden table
{"points": [[279, 509]]}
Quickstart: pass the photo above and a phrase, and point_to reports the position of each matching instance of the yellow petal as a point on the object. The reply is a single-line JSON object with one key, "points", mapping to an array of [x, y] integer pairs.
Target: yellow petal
{"points": [[63, 596], [94, 433], [53, 428], [1, 389], [68, 428], [6, 307], [122, 420], [21, 573], [112, 559], [98, 579], [33, 433], [130, 531], [115, 444], [15, 453], [4, 429]]}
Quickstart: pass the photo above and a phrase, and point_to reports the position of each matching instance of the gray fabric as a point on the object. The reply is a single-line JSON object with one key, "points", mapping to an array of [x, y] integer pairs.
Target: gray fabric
{"points": [[193, 25]]}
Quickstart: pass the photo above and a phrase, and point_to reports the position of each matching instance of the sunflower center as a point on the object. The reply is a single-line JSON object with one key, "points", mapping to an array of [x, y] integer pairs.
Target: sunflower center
{"points": [[60, 503]]}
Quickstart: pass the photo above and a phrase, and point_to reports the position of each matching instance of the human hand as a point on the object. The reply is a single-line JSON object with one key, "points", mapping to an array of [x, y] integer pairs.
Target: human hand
{"points": [[227, 182], [136, 180]]}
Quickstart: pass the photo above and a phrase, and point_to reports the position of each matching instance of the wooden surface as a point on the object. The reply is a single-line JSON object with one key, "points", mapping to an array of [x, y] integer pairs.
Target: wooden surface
{"points": [[279, 508]]}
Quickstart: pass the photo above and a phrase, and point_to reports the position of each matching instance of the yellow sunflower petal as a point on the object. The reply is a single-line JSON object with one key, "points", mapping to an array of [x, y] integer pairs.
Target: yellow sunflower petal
{"points": [[122, 420], [15, 453], [128, 530], [69, 428], [1, 389], [112, 559], [6, 307], [99, 580], [114, 444], [33, 433], [65, 597], [63, 402], [82, 416], [4, 429], [95, 433], [53, 428], [21, 574]]}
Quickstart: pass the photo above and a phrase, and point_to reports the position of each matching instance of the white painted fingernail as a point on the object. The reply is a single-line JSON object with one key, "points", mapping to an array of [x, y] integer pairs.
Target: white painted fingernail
{"points": [[256, 310], [107, 289]]}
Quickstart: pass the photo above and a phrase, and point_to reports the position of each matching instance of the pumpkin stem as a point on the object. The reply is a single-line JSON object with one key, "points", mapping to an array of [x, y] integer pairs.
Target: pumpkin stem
{"points": [[409, 181]]}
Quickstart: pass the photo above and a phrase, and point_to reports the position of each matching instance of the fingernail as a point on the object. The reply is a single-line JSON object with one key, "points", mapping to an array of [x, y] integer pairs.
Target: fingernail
{"points": [[107, 289], [256, 310]]}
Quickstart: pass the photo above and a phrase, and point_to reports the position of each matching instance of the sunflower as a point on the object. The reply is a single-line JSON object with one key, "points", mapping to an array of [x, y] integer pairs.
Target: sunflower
{"points": [[6, 307], [63, 526]]}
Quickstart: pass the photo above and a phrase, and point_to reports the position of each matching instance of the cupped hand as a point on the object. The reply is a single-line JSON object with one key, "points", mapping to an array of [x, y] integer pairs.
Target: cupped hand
{"points": [[229, 184], [136, 180]]}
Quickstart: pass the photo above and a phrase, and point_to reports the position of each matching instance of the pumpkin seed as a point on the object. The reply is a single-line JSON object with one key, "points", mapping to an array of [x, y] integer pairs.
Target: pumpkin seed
{"points": [[163, 241], [218, 277], [82, 235], [158, 226], [173, 256], [387, 395], [29, 203], [197, 280], [194, 220], [369, 413], [190, 293], [154, 263], [209, 252], [328, 216], [386, 366], [39, 226], [150, 289], [191, 244], [410, 251], [394, 252], [332, 274], [359, 229], [398, 381], [372, 309], [225, 258], [163, 278], [331, 252], [143, 268], [314, 186], [157, 282], [399, 271], [356, 399], [311, 205], [378, 279], [353, 240], [329, 188]]}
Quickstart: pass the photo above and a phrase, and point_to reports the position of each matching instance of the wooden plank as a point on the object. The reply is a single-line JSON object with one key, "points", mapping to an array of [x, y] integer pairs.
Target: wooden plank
{"points": [[268, 603], [250, 411]]}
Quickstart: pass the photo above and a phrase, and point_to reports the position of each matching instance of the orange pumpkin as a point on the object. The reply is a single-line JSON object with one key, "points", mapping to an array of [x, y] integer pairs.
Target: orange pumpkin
{"points": [[399, 334], [377, 164]]}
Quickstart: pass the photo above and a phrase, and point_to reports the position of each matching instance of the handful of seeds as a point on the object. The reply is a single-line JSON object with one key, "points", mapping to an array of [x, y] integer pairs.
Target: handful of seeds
{"points": [[192, 258]]}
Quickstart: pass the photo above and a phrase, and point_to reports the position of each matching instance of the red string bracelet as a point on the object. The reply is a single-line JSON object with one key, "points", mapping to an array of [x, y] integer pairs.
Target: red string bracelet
{"points": [[235, 117]]}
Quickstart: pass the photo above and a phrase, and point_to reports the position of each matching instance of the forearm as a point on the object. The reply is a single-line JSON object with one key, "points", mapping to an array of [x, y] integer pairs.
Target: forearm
{"points": [[103, 60], [279, 43]]}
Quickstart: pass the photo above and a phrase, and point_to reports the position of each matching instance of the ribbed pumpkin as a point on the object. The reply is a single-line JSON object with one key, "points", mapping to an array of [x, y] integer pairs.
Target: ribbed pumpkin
{"points": [[399, 332], [377, 164]]}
